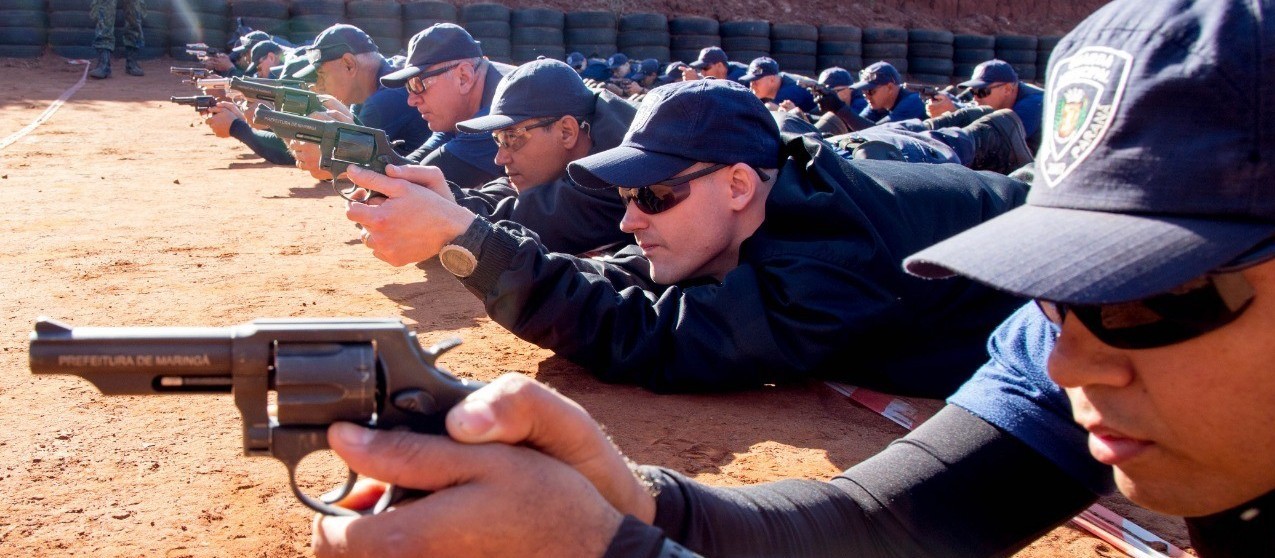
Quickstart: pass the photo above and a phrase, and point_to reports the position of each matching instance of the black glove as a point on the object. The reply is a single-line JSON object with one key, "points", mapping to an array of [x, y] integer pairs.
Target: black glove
{"points": [[829, 102]]}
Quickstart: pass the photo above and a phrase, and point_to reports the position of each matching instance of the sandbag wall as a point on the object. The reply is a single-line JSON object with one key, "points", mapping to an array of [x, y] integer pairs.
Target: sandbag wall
{"points": [[932, 56]]}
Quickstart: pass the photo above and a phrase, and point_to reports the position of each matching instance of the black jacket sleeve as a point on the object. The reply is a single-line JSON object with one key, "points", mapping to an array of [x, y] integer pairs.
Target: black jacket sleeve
{"points": [[567, 217], [262, 142], [950, 489]]}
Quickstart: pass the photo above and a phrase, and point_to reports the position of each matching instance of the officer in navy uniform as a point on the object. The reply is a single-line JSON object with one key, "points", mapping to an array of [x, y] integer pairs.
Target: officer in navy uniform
{"points": [[772, 86], [713, 63], [882, 87], [995, 85], [448, 80]]}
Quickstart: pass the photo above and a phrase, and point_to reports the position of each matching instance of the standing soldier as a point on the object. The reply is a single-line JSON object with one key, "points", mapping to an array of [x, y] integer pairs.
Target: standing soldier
{"points": [[103, 14]]}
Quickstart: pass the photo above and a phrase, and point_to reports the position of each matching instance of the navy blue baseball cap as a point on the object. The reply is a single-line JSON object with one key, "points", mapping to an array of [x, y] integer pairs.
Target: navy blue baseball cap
{"points": [[616, 60], [260, 50], [673, 71], [576, 60], [709, 56], [876, 75], [441, 42], [1134, 193], [836, 77], [334, 42], [760, 67], [680, 124], [248, 41], [537, 89], [991, 71]]}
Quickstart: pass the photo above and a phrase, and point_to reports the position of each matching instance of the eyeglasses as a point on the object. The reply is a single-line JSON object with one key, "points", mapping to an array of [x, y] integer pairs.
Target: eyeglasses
{"points": [[658, 198], [980, 92], [1191, 310], [512, 139], [417, 86]]}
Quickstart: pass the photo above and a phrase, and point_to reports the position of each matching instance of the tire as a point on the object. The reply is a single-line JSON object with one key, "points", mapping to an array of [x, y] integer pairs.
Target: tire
{"points": [[840, 33], [1015, 42], [64, 5], [589, 20], [964, 71], [851, 63], [25, 18], [692, 26], [756, 44], [644, 22], [933, 66], [833, 48], [794, 31], [155, 18], [746, 56], [488, 29], [795, 63], [684, 55], [641, 39], [485, 12], [973, 42], [272, 26], [157, 38], [900, 64], [794, 46], [1015, 57], [26, 5], [317, 8], [527, 53], [268, 9], [371, 9], [938, 80], [877, 51], [27, 36], [973, 56], [930, 36], [663, 54], [413, 26], [590, 35], [602, 50], [537, 17], [496, 47], [312, 23], [441, 11], [693, 42], [930, 50], [741, 29], [1047, 43], [69, 36], [388, 46], [885, 35], [77, 51], [150, 52], [21, 51], [379, 27], [206, 22], [1025, 72], [521, 36]]}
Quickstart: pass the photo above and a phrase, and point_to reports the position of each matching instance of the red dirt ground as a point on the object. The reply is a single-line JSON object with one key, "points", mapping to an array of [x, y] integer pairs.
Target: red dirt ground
{"points": [[125, 211]]}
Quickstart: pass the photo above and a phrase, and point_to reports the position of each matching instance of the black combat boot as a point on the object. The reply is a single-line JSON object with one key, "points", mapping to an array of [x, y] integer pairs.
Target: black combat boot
{"points": [[103, 69], [130, 63], [1000, 144], [959, 118]]}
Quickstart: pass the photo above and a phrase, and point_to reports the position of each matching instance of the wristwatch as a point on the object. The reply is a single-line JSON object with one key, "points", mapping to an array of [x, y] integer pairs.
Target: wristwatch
{"points": [[460, 256]]}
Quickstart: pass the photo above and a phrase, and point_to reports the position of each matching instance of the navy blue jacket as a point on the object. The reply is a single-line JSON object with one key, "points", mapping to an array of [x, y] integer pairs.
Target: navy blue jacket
{"points": [[819, 290]]}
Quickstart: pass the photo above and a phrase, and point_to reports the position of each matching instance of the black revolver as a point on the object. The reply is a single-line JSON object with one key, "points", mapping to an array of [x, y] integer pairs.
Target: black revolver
{"points": [[291, 100], [192, 73], [366, 371], [340, 145], [201, 102]]}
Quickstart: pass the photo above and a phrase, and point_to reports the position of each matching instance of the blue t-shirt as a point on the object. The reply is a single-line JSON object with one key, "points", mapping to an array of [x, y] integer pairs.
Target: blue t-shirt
{"points": [[387, 109], [1029, 106], [1014, 393], [909, 105], [790, 91]]}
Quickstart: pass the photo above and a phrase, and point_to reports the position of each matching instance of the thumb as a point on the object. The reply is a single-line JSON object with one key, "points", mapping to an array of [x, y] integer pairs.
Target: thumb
{"points": [[404, 458], [430, 177]]}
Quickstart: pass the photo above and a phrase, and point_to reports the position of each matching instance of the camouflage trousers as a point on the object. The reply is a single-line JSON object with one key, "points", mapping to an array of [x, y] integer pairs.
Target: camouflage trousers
{"points": [[103, 12]]}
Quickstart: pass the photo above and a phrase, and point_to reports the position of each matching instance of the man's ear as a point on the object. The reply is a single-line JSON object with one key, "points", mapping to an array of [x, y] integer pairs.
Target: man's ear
{"points": [[744, 183], [570, 133], [350, 63], [468, 76]]}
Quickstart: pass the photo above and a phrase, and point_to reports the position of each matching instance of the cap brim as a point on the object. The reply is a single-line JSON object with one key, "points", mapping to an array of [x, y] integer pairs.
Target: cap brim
{"points": [[861, 85], [698, 64], [1087, 257], [488, 123], [973, 83], [625, 167], [306, 71], [747, 78], [400, 77]]}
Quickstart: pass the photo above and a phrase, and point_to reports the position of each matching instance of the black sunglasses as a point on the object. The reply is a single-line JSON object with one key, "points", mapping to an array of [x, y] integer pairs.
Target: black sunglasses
{"points": [[1191, 310], [658, 198]]}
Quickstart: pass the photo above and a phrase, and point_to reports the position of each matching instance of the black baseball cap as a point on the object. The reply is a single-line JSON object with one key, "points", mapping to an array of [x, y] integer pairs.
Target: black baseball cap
{"points": [[441, 42], [759, 68], [1135, 193], [680, 124], [709, 56], [537, 89], [248, 41], [335, 42]]}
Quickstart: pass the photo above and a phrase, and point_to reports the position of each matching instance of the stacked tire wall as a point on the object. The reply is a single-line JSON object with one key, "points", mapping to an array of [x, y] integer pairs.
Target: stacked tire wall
{"points": [[840, 46], [311, 17], [383, 21], [930, 56], [419, 16], [594, 33], [687, 35], [489, 24], [270, 16], [795, 46], [1021, 53], [745, 40], [644, 36], [24, 28], [886, 43], [536, 32], [969, 51]]}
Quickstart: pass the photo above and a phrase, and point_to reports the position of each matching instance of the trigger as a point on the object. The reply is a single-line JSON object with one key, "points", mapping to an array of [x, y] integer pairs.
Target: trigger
{"points": [[443, 346]]}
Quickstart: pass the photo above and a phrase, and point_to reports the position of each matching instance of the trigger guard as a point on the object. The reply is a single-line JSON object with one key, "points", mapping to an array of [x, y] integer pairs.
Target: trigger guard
{"points": [[325, 505]]}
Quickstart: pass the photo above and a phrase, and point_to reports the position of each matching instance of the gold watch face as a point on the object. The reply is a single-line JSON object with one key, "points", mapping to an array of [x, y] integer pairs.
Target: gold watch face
{"points": [[457, 260]]}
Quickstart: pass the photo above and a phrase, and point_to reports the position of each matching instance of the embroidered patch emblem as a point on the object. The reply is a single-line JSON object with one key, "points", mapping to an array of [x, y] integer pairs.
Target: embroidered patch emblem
{"points": [[1085, 90]]}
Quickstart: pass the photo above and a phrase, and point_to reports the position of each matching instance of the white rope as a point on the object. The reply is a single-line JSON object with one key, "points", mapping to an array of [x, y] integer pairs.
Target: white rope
{"points": [[48, 113]]}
